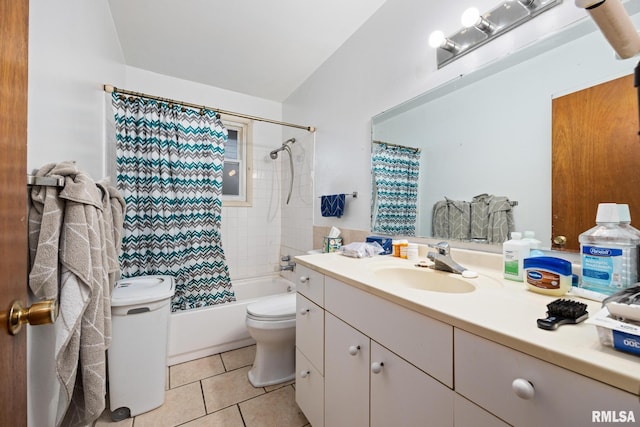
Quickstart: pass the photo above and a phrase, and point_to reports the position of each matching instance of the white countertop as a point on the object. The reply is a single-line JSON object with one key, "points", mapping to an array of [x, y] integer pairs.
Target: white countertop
{"points": [[499, 310]]}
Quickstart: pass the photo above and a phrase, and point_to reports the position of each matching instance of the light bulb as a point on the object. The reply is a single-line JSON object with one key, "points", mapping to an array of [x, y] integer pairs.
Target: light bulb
{"points": [[470, 17], [436, 39]]}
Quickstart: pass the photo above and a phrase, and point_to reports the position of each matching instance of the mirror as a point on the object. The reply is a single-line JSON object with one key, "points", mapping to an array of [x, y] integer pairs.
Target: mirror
{"points": [[490, 131]]}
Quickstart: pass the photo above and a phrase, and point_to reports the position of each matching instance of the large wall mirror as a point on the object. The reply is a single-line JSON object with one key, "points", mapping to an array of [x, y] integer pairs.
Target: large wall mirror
{"points": [[490, 131]]}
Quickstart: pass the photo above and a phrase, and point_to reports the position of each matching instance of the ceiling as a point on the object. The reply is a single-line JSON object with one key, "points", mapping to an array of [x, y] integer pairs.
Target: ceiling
{"points": [[264, 48]]}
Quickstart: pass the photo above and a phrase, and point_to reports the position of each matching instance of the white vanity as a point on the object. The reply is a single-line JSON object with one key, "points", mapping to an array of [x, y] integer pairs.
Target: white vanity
{"points": [[373, 351]]}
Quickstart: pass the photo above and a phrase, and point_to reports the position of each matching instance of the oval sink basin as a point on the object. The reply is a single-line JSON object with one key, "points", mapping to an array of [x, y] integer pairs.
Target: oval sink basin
{"points": [[426, 279]]}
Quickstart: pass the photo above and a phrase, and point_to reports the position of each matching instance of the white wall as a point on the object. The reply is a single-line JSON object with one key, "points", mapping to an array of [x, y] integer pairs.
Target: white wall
{"points": [[388, 61], [73, 51]]}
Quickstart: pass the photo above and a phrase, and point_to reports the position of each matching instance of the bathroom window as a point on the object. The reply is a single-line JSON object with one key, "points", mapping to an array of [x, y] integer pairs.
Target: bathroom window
{"points": [[236, 182]]}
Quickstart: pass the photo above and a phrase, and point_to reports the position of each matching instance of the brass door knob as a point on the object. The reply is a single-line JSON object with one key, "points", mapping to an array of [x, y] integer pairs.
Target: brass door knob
{"points": [[560, 240], [40, 313]]}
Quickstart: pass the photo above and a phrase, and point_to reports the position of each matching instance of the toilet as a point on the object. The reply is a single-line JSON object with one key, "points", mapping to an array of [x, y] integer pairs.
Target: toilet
{"points": [[272, 323]]}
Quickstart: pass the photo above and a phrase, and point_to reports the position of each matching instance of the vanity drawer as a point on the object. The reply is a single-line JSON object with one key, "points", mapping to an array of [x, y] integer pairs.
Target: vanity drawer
{"points": [[309, 390], [310, 284], [486, 371], [310, 331], [424, 342]]}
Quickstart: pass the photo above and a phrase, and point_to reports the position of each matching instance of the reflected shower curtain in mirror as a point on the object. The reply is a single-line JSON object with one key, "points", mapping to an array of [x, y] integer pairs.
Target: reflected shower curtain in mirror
{"points": [[395, 189], [169, 169]]}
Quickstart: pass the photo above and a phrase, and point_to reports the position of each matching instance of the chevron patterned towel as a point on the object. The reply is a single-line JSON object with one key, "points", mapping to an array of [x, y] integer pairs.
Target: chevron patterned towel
{"points": [[332, 205]]}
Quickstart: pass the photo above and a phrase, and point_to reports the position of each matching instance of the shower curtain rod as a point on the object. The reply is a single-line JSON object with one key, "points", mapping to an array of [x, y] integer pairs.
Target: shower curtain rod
{"points": [[111, 89], [417, 150]]}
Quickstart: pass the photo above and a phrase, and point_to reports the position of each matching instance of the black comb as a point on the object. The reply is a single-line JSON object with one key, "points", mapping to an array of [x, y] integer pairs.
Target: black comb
{"points": [[563, 311]]}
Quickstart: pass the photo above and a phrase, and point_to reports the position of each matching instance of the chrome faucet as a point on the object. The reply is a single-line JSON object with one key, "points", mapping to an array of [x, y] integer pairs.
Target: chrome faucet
{"points": [[290, 264], [442, 259]]}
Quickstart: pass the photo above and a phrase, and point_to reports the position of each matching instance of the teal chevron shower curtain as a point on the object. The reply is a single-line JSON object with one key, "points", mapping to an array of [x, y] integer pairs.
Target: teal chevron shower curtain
{"points": [[395, 189], [169, 169]]}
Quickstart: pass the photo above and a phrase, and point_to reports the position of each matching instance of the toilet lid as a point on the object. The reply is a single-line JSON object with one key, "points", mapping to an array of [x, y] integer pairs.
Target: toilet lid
{"points": [[274, 308]]}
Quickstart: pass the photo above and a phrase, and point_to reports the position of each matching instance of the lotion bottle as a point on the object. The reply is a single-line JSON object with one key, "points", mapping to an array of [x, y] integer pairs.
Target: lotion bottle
{"points": [[514, 252]]}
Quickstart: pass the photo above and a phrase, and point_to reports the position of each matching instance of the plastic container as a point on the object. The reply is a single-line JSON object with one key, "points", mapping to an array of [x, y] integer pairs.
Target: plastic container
{"points": [[547, 275], [514, 251], [395, 251], [412, 251], [404, 246], [137, 357], [609, 253]]}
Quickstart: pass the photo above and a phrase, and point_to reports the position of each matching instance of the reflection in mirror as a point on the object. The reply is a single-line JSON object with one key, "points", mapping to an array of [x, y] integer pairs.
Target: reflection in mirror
{"points": [[490, 131]]}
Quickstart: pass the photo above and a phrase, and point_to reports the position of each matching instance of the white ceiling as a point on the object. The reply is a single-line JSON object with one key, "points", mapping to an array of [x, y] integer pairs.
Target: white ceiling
{"points": [[264, 48]]}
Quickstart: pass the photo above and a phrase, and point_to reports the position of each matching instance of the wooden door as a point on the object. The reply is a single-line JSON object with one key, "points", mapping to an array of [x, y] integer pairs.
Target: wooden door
{"points": [[595, 156], [14, 22]]}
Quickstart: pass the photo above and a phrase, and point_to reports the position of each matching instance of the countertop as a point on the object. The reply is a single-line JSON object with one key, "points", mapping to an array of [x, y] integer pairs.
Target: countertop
{"points": [[499, 310]]}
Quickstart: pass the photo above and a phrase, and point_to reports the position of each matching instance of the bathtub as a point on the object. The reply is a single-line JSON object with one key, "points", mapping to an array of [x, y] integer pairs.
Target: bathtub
{"points": [[209, 330]]}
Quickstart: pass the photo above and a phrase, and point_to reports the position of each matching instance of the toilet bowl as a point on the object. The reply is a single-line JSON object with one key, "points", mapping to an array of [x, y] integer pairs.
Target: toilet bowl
{"points": [[272, 323]]}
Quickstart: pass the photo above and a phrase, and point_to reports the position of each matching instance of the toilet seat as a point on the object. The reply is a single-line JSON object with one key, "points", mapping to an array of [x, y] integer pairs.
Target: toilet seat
{"points": [[282, 307]]}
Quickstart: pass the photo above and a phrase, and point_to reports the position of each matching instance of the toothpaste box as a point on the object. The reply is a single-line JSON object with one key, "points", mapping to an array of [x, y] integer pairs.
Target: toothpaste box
{"points": [[623, 336]]}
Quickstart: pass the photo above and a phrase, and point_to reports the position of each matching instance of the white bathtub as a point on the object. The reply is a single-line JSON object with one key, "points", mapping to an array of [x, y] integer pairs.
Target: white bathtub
{"points": [[209, 330]]}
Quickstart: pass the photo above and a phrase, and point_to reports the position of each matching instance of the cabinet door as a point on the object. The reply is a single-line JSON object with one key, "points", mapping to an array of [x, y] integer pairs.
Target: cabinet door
{"points": [[403, 395], [309, 390], [310, 331], [346, 375]]}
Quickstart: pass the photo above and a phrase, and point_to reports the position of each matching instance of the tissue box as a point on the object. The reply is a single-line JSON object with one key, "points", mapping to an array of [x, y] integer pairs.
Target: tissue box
{"points": [[331, 244], [385, 242], [623, 336]]}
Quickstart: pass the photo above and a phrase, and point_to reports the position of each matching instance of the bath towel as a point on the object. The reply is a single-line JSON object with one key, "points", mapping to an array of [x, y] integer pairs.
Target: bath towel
{"points": [[332, 205], [501, 221], [480, 216], [74, 254]]}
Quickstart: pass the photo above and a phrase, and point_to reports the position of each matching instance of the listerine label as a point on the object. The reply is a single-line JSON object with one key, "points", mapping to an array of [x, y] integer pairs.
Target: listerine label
{"points": [[602, 268]]}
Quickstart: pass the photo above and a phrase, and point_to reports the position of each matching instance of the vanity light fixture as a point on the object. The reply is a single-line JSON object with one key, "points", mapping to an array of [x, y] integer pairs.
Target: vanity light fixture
{"points": [[472, 18], [480, 29], [438, 40]]}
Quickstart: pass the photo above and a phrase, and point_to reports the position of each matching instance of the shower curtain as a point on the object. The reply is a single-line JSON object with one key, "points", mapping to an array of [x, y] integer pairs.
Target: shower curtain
{"points": [[169, 169], [395, 189]]}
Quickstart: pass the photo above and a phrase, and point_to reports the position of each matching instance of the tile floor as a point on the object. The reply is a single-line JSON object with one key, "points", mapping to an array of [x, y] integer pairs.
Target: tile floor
{"points": [[214, 391]]}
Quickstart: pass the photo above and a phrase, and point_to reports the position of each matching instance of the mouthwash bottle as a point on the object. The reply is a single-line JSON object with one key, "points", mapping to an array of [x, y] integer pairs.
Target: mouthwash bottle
{"points": [[609, 253]]}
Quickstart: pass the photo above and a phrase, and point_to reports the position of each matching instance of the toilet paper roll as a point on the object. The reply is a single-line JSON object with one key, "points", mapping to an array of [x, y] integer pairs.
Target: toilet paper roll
{"points": [[614, 22]]}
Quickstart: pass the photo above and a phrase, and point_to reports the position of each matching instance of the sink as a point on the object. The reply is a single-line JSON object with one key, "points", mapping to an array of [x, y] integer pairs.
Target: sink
{"points": [[429, 280]]}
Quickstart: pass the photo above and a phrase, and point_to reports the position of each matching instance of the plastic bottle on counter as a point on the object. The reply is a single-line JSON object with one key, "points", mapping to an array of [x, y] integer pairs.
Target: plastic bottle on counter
{"points": [[395, 244], [514, 251], [404, 245], [609, 253], [412, 251]]}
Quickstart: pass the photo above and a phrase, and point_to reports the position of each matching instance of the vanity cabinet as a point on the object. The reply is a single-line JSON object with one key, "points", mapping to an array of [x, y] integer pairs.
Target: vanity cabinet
{"points": [[364, 360], [526, 391], [310, 344]]}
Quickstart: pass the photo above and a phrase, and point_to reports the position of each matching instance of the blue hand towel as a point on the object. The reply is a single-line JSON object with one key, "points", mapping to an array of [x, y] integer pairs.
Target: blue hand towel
{"points": [[332, 205]]}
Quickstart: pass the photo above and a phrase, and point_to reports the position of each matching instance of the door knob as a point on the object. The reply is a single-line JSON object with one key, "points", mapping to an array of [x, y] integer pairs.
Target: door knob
{"points": [[560, 240], [39, 313]]}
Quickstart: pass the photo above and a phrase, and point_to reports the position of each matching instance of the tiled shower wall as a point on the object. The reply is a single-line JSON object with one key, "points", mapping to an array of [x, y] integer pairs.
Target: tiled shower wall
{"points": [[251, 235]]}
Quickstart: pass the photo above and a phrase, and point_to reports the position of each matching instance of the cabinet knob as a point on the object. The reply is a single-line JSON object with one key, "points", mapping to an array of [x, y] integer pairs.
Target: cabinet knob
{"points": [[304, 279], [376, 367], [304, 311], [353, 350], [304, 374], [523, 388]]}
